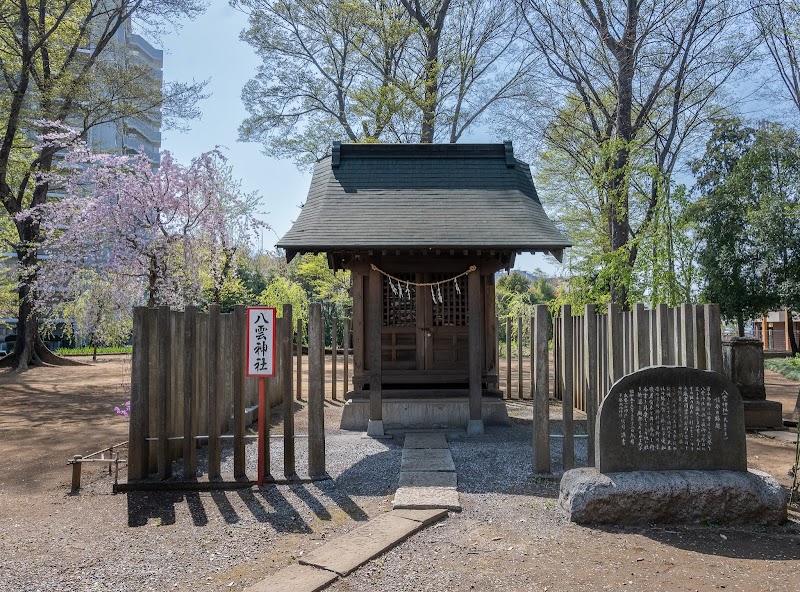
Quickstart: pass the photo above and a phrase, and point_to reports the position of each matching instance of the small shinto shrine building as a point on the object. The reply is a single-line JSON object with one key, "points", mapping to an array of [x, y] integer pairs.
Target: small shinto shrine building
{"points": [[423, 229]]}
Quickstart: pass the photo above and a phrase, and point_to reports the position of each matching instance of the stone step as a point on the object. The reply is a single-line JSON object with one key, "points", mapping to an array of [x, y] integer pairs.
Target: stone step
{"points": [[422, 498], [426, 440], [425, 459], [354, 549]]}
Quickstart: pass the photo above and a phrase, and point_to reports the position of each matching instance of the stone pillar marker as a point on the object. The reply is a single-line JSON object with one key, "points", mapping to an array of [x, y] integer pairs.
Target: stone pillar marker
{"points": [[743, 359]]}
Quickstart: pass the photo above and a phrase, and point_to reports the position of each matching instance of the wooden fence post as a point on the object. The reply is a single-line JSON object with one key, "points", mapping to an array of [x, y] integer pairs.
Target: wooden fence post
{"points": [[316, 392], [568, 449], [189, 409], [641, 337], [138, 447], [299, 359], [285, 370], [540, 372], [687, 335], [663, 357], [590, 376], [677, 332], [346, 369], [334, 356], [508, 357], [713, 338], [239, 347], [214, 392], [700, 337], [615, 339], [164, 391], [520, 367]]}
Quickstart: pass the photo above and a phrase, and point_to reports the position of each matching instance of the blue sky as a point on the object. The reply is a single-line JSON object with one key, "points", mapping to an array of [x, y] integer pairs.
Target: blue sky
{"points": [[209, 48]]}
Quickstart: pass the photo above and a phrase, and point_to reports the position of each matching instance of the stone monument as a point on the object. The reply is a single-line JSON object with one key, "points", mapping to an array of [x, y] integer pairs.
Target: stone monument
{"points": [[743, 360], [670, 448]]}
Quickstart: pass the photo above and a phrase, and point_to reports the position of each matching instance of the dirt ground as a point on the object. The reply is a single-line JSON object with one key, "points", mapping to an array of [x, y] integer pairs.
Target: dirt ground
{"points": [[505, 540]]}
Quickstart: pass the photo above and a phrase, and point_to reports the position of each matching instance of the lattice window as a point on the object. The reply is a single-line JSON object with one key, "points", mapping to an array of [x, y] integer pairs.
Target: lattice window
{"points": [[400, 310], [453, 310]]}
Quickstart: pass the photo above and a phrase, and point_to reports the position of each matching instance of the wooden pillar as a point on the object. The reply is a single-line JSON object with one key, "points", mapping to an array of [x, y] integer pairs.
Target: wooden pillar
{"points": [[346, 346], [663, 357], [239, 347], [765, 331], [568, 444], [316, 391], [641, 337], [713, 337], [590, 376], [615, 339], [699, 334], [787, 326], [285, 370], [189, 364], [334, 356], [520, 365], [687, 335], [475, 425], [164, 391], [375, 291], [138, 447], [508, 358], [358, 330], [677, 336], [299, 355], [214, 393], [540, 325]]}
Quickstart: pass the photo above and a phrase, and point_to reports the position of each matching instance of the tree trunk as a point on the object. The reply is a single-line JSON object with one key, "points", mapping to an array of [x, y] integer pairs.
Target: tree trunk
{"points": [[30, 349], [431, 89], [740, 325]]}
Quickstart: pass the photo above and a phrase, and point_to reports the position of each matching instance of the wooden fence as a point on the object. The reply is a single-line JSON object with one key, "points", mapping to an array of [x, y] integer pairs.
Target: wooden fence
{"points": [[592, 351], [188, 387]]}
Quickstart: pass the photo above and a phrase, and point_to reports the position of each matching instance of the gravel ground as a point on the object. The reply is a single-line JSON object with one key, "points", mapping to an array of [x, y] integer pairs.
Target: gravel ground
{"points": [[510, 535], [194, 541]]}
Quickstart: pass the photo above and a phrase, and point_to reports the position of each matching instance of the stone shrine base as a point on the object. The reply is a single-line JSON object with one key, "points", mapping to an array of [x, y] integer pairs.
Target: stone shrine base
{"points": [[429, 413], [761, 413], [672, 497]]}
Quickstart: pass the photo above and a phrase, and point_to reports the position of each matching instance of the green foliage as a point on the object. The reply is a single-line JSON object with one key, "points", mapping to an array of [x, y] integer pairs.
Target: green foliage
{"points": [[88, 351], [282, 290], [748, 218], [788, 367], [516, 296], [96, 311]]}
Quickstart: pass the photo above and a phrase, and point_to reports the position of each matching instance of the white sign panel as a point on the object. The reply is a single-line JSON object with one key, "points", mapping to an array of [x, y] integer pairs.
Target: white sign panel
{"points": [[260, 341]]}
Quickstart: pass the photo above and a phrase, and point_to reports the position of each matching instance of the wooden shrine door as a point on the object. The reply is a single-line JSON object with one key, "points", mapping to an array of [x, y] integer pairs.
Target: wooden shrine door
{"points": [[442, 318], [424, 333]]}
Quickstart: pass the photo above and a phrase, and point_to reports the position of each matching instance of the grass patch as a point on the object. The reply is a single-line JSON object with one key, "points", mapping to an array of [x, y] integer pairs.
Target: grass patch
{"points": [[788, 367], [88, 351]]}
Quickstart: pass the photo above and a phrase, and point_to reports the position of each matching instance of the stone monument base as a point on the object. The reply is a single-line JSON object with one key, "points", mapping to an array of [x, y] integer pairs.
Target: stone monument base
{"points": [[433, 413], [672, 497], [759, 414]]}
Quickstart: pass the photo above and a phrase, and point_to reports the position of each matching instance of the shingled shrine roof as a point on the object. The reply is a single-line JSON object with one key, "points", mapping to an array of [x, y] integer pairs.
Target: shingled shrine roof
{"points": [[411, 196]]}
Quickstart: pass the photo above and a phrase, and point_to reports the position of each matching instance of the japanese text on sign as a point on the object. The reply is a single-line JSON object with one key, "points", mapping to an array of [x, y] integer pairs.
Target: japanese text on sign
{"points": [[260, 341]]}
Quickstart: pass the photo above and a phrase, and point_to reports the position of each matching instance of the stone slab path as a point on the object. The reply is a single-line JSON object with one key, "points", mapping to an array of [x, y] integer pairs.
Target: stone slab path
{"points": [[341, 556], [427, 474]]}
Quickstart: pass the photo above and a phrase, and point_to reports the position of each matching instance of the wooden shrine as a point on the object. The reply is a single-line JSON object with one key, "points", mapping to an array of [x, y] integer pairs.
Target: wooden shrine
{"points": [[423, 229]]}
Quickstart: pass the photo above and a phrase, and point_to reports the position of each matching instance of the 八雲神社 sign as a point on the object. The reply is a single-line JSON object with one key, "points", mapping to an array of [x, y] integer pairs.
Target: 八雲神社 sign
{"points": [[260, 341]]}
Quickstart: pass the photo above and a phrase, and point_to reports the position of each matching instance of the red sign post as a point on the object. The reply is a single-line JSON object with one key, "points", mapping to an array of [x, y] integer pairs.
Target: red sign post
{"points": [[261, 339]]}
